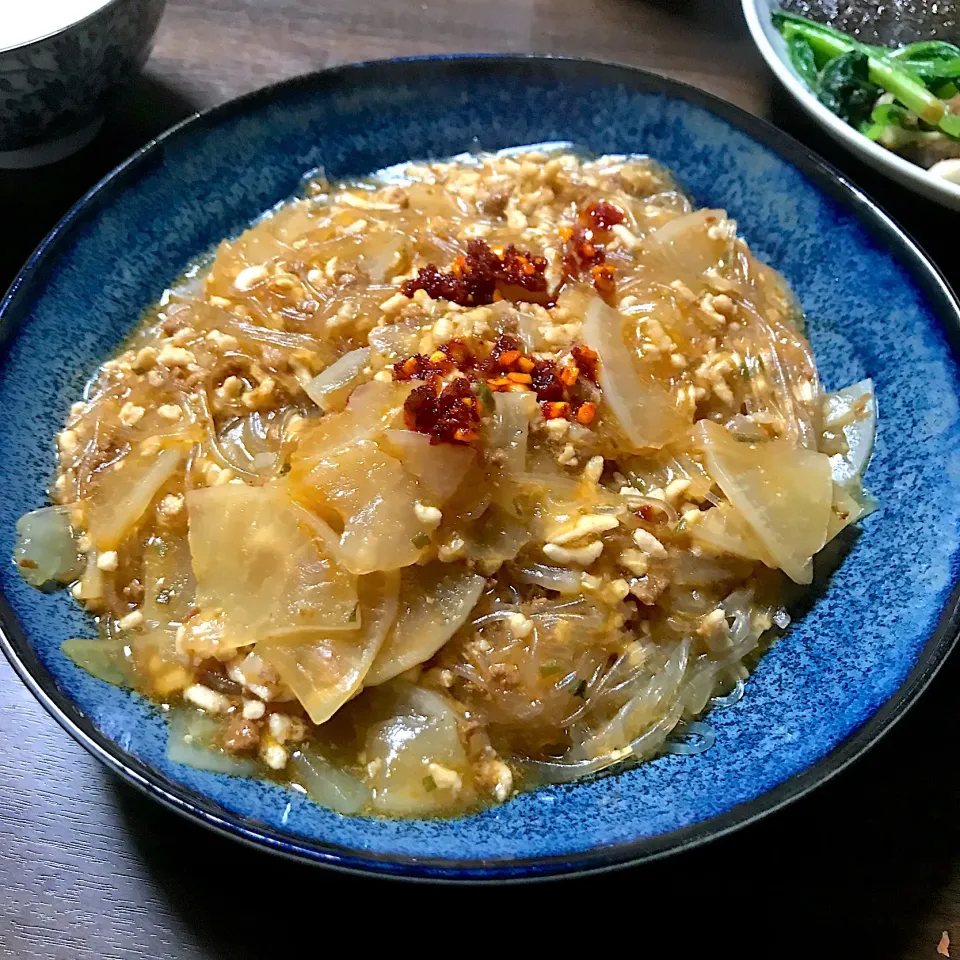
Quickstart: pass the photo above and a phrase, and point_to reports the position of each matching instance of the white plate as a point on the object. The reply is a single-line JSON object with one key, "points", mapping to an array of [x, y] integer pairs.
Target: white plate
{"points": [[774, 50]]}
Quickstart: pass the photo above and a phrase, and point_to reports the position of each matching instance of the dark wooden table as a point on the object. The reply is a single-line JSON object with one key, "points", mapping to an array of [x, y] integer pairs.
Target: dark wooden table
{"points": [[869, 866]]}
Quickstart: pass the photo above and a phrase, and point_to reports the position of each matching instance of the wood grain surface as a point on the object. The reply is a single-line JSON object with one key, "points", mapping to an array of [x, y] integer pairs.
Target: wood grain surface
{"points": [[868, 866]]}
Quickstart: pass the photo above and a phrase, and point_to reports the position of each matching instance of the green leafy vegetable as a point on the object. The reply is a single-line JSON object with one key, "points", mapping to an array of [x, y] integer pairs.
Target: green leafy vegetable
{"points": [[845, 87], [930, 60], [848, 76], [947, 91], [803, 60]]}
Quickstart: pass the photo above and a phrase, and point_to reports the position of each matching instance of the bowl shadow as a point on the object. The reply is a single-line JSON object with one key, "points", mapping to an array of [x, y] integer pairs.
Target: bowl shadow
{"points": [[36, 199]]}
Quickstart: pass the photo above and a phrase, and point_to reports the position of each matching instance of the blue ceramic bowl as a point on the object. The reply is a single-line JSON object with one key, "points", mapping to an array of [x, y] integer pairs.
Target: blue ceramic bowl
{"points": [[876, 308]]}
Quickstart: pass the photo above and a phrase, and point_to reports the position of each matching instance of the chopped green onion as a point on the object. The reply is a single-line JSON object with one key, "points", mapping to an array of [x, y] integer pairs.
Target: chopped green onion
{"points": [[486, 396], [420, 541]]}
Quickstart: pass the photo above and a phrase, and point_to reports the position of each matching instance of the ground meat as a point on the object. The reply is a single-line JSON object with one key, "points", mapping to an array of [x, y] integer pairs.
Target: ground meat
{"points": [[212, 675], [495, 204], [241, 735]]}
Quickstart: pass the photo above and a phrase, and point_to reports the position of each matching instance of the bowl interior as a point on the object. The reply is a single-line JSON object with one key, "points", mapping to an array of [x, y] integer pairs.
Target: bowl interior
{"points": [[24, 23], [874, 309]]}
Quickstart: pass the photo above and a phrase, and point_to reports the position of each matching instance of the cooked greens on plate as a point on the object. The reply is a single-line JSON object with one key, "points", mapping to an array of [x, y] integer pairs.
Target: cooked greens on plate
{"points": [[907, 98]]}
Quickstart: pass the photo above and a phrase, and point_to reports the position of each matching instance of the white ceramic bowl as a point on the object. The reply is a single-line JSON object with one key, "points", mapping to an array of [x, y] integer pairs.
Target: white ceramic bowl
{"points": [[771, 45]]}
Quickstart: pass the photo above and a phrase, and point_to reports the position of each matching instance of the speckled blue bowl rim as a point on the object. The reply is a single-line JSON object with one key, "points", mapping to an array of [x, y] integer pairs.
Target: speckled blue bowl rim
{"points": [[184, 801]]}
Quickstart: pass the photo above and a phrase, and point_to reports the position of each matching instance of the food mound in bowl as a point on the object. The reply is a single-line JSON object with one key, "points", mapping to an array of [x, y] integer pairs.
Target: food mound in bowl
{"points": [[453, 481]]}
